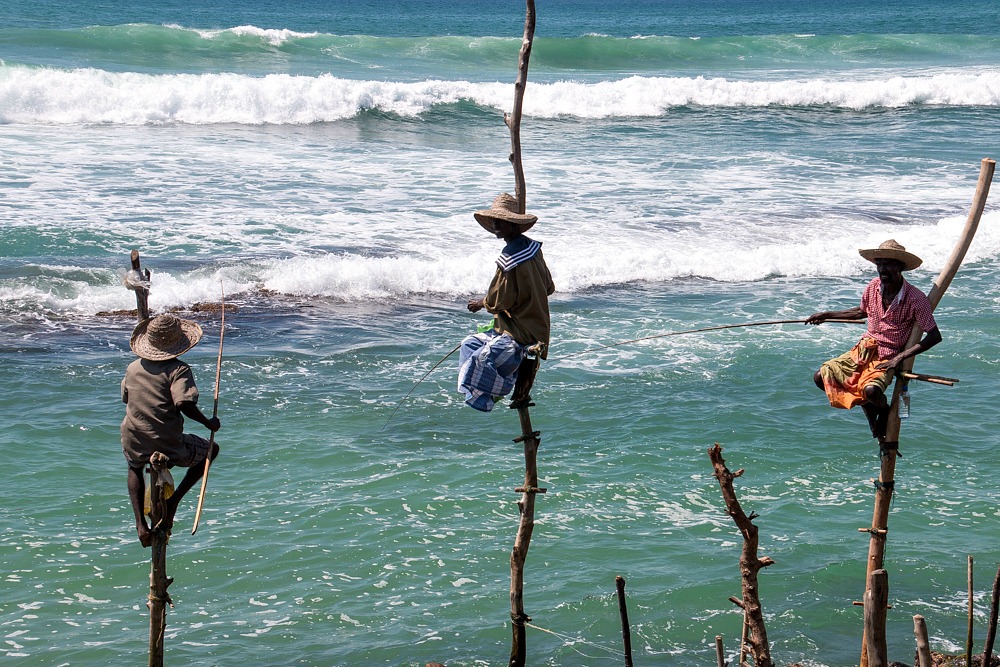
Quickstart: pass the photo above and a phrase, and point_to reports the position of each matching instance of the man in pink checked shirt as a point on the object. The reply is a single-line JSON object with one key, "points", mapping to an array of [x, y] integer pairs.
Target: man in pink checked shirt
{"points": [[892, 307]]}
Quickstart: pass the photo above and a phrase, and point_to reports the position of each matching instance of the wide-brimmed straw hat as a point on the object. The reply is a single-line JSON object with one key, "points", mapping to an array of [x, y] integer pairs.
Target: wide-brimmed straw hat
{"points": [[892, 250], [164, 337], [504, 208]]}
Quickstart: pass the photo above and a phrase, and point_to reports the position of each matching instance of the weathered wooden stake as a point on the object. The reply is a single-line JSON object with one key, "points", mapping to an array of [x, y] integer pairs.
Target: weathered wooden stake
{"points": [[623, 612], [526, 507], [968, 637], [513, 119], [923, 645], [991, 629], [886, 480], [720, 654], [134, 282], [876, 599], [750, 564], [159, 598]]}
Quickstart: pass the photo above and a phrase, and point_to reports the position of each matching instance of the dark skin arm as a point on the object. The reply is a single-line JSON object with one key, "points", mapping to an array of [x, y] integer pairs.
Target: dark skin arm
{"points": [[475, 305], [850, 314], [190, 410], [932, 338]]}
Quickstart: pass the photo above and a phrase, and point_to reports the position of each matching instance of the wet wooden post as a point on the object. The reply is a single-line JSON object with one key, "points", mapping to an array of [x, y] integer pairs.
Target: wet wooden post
{"points": [[159, 598], [750, 564], [890, 448], [137, 280], [991, 629], [623, 612], [923, 645], [526, 507], [520, 400], [876, 601]]}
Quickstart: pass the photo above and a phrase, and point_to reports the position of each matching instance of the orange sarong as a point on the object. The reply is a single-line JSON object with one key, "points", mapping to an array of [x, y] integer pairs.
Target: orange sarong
{"points": [[845, 378]]}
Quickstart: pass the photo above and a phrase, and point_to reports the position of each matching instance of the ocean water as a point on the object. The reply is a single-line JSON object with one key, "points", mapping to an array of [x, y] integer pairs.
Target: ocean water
{"points": [[693, 163]]}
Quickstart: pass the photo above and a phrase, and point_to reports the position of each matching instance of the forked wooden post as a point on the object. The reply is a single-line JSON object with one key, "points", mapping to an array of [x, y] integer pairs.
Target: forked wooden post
{"points": [[886, 480], [750, 564], [159, 598]]}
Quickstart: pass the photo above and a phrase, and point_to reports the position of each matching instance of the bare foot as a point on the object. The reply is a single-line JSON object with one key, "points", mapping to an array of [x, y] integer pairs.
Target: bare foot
{"points": [[145, 535]]}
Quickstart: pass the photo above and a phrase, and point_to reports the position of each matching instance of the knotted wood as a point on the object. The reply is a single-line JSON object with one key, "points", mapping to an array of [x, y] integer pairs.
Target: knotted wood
{"points": [[750, 564]]}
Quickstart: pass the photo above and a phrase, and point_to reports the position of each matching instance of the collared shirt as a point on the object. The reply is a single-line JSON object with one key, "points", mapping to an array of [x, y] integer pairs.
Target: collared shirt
{"points": [[519, 293], [152, 392], [890, 327]]}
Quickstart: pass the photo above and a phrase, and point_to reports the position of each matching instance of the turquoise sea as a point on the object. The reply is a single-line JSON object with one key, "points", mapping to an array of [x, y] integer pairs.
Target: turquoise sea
{"points": [[693, 163]]}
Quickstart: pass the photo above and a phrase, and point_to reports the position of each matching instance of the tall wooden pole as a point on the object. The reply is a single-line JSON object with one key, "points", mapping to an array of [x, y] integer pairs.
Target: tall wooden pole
{"points": [[137, 280], [626, 630], [530, 438], [513, 119], [886, 480], [991, 629], [526, 507]]}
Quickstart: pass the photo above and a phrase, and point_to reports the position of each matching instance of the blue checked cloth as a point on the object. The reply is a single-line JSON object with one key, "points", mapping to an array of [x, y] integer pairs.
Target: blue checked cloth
{"points": [[487, 368]]}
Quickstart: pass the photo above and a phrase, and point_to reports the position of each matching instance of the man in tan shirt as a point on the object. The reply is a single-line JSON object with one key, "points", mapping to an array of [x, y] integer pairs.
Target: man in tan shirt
{"points": [[518, 297]]}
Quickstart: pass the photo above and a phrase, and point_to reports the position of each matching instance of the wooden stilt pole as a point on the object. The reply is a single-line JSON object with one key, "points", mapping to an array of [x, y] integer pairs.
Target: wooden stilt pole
{"points": [[886, 480], [750, 564], [923, 645], [526, 507], [876, 599], [626, 631], [159, 598], [991, 629], [720, 654], [971, 609]]}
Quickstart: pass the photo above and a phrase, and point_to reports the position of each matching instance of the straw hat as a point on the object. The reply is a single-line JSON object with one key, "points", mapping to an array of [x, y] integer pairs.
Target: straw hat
{"points": [[892, 250], [164, 337], [504, 208]]}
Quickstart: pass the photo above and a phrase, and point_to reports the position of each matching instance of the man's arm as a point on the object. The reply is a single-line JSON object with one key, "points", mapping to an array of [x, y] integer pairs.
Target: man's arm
{"points": [[190, 409], [475, 305], [851, 314], [932, 338]]}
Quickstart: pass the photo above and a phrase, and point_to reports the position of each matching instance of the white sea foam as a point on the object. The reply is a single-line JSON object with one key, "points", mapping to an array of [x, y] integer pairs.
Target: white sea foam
{"points": [[51, 96], [577, 263]]}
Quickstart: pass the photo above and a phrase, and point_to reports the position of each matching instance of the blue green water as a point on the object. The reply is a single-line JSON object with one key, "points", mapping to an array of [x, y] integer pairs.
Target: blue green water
{"points": [[692, 164]]}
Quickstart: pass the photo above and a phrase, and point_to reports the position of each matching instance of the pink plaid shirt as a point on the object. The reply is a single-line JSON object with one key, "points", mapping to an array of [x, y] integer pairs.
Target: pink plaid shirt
{"points": [[891, 327]]}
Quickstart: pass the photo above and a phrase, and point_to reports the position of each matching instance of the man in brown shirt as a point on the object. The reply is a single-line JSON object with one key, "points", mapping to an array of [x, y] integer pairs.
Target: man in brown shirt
{"points": [[159, 391], [518, 297]]}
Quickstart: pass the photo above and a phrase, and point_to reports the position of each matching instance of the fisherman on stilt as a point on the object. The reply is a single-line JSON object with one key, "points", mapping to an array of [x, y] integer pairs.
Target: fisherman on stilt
{"points": [[159, 391], [518, 297], [892, 307]]}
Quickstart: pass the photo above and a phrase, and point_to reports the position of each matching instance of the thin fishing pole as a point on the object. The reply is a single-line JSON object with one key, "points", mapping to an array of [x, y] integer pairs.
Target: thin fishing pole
{"points": [[691, 331], [417, 383]]}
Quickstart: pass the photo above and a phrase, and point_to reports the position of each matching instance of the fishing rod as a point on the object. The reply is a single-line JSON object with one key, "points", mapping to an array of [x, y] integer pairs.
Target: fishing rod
{"points": [[691, 331], [215, 413], [912, 376], [422, 378]]}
